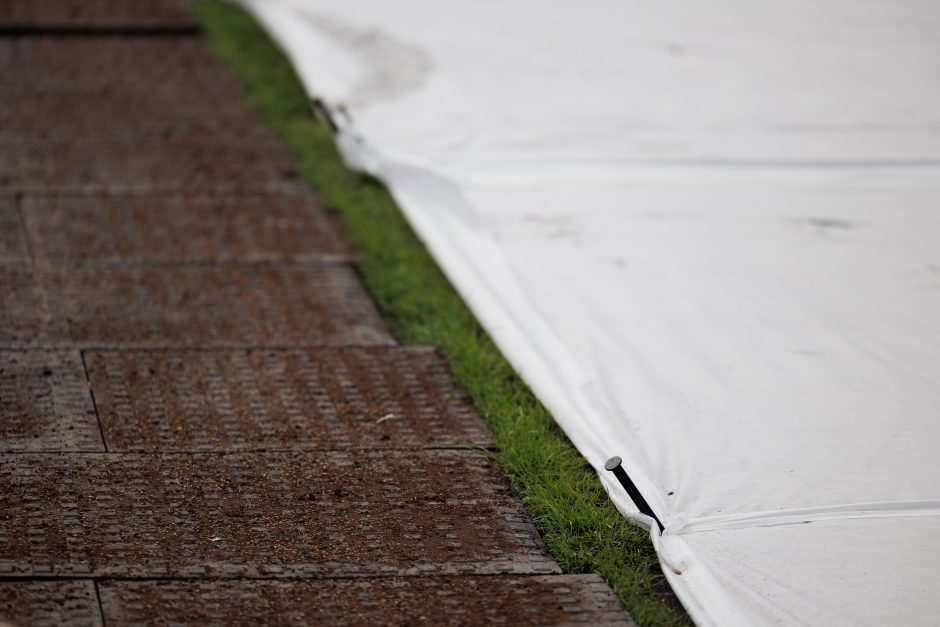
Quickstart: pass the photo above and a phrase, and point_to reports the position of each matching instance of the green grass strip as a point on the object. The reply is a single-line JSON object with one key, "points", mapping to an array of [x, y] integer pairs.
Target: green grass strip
{"points": [[582, 529]]}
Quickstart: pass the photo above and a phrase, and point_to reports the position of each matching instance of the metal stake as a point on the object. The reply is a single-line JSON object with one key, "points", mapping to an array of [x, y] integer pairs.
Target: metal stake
{"points": [[615, 465]]}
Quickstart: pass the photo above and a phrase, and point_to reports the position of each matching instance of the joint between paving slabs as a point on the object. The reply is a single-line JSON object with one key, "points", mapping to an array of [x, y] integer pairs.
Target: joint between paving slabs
{"points": [[91, 393], [24, 235], [100, 604]]}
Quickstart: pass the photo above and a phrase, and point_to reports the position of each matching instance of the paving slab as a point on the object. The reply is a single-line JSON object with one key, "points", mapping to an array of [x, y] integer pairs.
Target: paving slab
{"points": [[117, 87], [191, 162], [29, 603], [326, 399], [271, 515], [98, 13], [45, 403], [128, 114], [188, 306], [509, 600], [122, 229]]}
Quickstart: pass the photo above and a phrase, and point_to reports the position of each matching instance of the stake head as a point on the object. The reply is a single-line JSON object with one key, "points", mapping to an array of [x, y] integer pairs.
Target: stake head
{"points": [[612, 463]]}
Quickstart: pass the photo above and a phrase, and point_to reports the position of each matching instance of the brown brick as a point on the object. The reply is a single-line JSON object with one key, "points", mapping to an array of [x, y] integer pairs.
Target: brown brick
{"points": [[151, 229], [271, 514], [276, 399], [81, 163], [188, 306], [506, 600], [104, 87], [107, 13]]}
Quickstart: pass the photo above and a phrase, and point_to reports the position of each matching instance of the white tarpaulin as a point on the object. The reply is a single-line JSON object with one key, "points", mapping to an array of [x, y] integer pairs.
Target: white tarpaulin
{"points": [[707, 234]]}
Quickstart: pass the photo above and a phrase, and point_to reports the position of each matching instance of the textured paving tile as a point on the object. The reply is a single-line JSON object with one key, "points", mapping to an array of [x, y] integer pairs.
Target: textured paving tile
{"points": [[310, 399], [188, 306], [128, 113], [30, 603], [123, 229], [272, 514], [111, 13], [192, 162], [45, 404], [110, 87], [511, 600]]}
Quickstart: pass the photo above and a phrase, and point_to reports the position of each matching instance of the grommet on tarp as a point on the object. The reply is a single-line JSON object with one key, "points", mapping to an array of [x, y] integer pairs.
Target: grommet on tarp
{"points": [[615, 465]]}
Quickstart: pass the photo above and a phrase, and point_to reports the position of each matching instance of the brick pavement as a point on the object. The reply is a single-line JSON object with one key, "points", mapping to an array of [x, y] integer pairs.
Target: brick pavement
{"points": [[203, 418]]}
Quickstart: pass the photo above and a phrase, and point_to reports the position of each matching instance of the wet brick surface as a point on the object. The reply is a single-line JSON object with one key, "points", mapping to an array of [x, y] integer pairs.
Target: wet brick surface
{"points": [[271, 514], [188, 306], [106, 87], [69, 229], [28, 603], [509, 600], [128, 113], [45, 404], [309, 399], [191, 162], [109, 13]]}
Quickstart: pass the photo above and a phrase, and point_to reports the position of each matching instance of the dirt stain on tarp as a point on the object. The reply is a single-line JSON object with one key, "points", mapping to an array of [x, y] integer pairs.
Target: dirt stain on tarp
{"points": [[396, 67]]}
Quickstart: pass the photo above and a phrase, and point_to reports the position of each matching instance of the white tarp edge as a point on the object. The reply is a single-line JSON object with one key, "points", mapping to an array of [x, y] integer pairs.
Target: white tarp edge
{"points": [[708, 237]]}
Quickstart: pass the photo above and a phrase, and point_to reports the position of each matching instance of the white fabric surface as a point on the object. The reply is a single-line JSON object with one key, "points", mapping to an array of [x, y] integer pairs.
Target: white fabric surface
{"points": [[707, 234]]}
